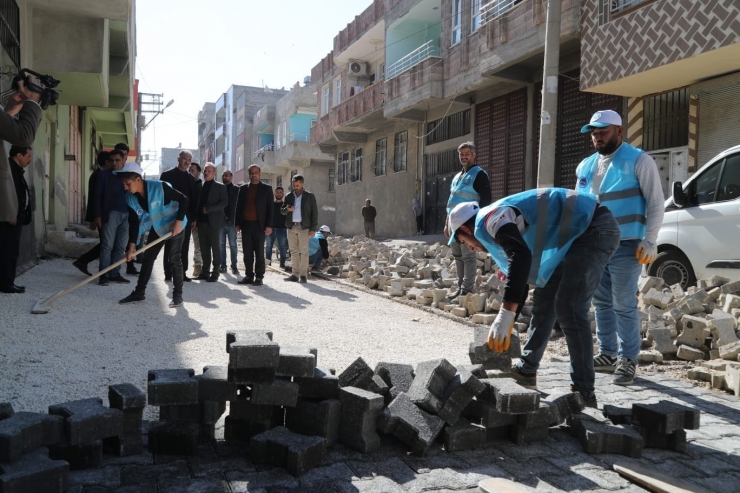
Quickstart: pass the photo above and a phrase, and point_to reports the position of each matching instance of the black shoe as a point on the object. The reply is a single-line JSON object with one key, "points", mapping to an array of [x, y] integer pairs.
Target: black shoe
{"points": [[131, 271], [22, 288], [235, 271], [134, 297], [258, 282], [167, 278], [292, 278], [12, 289], [103, 281], [176, 301], [202, 277], [247, 280], [82, 267], [222, 269], [303, 280], [526, 380], [213, 278], [186, 279], [119, 279], [282, 266]]}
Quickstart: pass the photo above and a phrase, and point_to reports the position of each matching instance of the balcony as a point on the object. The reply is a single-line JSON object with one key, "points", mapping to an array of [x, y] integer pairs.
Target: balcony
{"points": [[299, 153], [347, 121], [427, 50], [220, 131], [264, 157], [418, 88], [362, 35], [495, 9]]}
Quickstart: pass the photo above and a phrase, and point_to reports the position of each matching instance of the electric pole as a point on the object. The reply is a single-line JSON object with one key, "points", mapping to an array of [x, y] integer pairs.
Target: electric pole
{"points": [[549, 118], [152, 105]]}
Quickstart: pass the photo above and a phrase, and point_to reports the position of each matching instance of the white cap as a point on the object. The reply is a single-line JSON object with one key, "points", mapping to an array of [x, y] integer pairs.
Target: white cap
{"points": [[131, 167], [459, 215], [325, 229], [602, 119]]}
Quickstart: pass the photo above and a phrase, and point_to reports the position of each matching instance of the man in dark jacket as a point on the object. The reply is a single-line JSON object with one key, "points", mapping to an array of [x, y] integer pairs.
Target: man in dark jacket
{"points": [[211, 203], [111, 219], [302, 220], [229, 230], [10, 231], [104, 163], [181, 180], [195, 170], [279, 232], [254, 220]]}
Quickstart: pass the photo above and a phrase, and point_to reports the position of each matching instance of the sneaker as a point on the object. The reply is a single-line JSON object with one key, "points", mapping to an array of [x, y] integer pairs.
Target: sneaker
{"points": [[133, 298], [176, 301], [604, 362], [303, 280], [119, 279], [131, 271], [258, 282], [103, 281], [625, 372], [186, 278], [82, 267], [526, 380], [213, 278], [234, 271], [222, 269], [292, 278], [588, 400], [247, 280]]}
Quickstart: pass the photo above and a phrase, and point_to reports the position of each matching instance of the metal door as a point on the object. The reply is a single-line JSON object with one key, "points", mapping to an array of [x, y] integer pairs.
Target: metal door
{"points": [[437, 192]]}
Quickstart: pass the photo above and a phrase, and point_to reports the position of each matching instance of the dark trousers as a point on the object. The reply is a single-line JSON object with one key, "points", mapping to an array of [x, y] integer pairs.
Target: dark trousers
{"points": [[184, 250], [173, 251], [91, 255], [10, 242], [420, 223], [253, 244], [209, 243]]}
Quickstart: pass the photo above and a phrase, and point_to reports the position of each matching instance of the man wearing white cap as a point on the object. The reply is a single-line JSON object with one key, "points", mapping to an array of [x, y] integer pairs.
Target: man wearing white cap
{"points": [[318, 247], [559, 241], [157, 208], [626, 180]]}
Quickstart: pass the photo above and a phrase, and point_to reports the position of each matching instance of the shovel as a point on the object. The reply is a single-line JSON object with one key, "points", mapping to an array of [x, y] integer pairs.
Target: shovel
{"points": [[42, 306]]}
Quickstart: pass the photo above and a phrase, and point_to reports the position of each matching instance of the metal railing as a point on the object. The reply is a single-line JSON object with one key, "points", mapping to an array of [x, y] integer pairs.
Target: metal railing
{"points": [[617, 6], [299, 138], [428, 49], [10, 30], [264, 149], [496, 8]]}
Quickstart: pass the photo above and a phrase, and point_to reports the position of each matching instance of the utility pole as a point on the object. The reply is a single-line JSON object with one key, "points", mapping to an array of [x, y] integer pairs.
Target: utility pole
{"points": [[152, 105], [548, 121]]}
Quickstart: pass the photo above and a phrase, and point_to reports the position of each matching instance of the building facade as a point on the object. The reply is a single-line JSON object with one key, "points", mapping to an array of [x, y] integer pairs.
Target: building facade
{"points": [[206, 133]]}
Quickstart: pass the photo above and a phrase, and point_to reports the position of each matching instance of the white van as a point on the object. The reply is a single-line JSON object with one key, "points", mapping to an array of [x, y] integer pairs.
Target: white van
{"points": [[700, 235]]}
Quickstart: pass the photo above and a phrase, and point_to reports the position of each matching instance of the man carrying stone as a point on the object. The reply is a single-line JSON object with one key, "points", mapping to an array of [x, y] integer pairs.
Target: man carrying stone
{"points": [[195, 170], [318, 248], [559, 241], [181, 180], [470, 184], [368, 219], [104, 163], [627, 181], [279, 232], [254, 220], [229, 230], [155, 208], [302, 220], [212, 200]]}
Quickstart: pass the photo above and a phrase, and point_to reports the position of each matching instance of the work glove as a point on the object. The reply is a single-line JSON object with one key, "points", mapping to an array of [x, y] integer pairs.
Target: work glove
{"points": [[499, 337], [647, 251]]}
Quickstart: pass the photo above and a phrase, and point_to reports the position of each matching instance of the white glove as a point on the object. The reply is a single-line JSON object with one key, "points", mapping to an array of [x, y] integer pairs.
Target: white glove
{"points": [[499, 337], [647, 251]]}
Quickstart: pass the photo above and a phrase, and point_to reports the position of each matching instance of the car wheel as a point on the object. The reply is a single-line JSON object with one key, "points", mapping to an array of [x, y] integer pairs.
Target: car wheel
{"points": [[674, 268]]}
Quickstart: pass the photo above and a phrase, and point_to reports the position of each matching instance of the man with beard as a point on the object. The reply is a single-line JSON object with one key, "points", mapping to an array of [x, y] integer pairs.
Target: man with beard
{"points": [[626, 180], [211, 203], [181, 180], [195, 170], [228, 230], [279, 231], [130, 267], [104, 163], [254, 220]]}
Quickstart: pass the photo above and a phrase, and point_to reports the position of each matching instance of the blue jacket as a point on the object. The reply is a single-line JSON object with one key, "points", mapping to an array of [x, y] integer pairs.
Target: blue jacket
{"points": [[461, 188], [554, 217], [619, 191], [313, 243], [160, 217]]}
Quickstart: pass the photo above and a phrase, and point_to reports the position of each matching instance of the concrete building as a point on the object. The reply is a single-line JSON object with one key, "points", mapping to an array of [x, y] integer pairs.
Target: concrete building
{"points": [[206, 133], [90, 47], [168, 158]]}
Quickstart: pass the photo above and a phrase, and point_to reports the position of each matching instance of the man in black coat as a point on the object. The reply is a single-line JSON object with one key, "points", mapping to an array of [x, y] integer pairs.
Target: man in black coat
{"points": [[94, 253], [254, 219], [10, 231], [212, 201], [182, 181]]}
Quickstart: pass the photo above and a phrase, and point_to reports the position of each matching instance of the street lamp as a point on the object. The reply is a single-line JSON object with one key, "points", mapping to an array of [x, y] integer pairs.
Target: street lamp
{"points": [[159, 113], [141, 123]]}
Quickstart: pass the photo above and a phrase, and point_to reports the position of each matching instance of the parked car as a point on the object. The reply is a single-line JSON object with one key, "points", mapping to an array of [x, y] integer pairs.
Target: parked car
{"points": [[700, 235]]}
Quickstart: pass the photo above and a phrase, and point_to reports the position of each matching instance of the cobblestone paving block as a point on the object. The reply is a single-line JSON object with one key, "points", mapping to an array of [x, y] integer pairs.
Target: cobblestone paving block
{"points": [[689, 353], [410, 424], [464, 435], [730, 351], [663, 341], [107, 477], [487, 415], [476, 369], [83, 456], [198, 485], [250, 349], [321, 479], [34, 472], [126, 396], [675, 441], [87, 420], [512, 398], [271, 480], [125, 446], [358, 375], [322, 385], [430, 383], [479, 352], [174, 438], [397, 376], [241, 430], [357, 428], [204, 412], [694, 331], [281, 447], [564, 406], [23, 432], [147, 474], [296, 361], [521, 435], [6, 410], [278, 393], [459, 393], [665, 417], [600, 438], [316, 418], [250, 376], [730, 287], [379, 484], [378, 386], [618, 415], [546, 415], [214, 385], [172, 387]]}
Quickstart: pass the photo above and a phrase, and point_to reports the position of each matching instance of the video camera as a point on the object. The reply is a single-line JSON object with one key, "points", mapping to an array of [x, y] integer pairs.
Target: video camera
{"points": [[48, 95]]}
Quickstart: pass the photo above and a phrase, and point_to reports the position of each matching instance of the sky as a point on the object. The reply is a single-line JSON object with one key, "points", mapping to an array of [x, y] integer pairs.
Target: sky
{"points": [[193, 50]]}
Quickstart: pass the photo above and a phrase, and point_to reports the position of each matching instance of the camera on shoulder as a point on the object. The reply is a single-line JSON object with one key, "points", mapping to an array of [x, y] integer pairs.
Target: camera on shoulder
{"points": [[48, 95]]}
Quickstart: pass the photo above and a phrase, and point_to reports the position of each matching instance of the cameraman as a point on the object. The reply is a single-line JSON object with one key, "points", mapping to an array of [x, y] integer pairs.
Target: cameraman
{"points": [[18, 125]]}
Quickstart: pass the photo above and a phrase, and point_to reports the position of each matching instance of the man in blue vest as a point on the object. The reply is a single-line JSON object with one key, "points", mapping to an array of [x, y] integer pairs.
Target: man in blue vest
{"points": [[626, 180], [470, 184], [318, 247], [157, 208], [559, 241]]}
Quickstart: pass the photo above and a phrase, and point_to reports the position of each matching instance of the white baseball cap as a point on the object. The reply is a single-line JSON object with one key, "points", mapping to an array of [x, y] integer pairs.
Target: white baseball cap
{"points": [[602, 119], [131, 167], [459, 215], [325, 229]]}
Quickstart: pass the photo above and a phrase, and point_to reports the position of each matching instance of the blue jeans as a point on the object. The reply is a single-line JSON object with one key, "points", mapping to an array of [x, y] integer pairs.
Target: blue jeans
{"points": [[315, 260], [113, 239], [617, 322], [230, 231], [281, 235], [567, 297]]}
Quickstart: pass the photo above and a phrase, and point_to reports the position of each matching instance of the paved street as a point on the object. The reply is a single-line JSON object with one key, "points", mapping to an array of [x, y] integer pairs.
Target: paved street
{"points": [[88, 342]]}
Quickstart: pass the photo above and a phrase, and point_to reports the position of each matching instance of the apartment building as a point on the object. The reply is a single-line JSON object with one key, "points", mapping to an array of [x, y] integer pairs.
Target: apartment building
{"points": [[206, 134]]}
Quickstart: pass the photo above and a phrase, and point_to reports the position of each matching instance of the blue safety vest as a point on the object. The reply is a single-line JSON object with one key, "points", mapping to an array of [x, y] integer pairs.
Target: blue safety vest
{"points": [[461, 188], [554, 217], [619, 191], [313, 243], [160, 217]]}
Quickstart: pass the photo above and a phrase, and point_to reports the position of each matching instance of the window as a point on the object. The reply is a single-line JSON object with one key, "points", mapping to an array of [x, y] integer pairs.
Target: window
{"points": [[325, 100], [456, 21], [705, 187], [342, 168], [729, 185], [356, 166], [279, 181], [332, 180], [666, 121], [337, 91], [381, 153], [449, 127], [10, 32], [239, 164], [475, 15], [399, 151]]}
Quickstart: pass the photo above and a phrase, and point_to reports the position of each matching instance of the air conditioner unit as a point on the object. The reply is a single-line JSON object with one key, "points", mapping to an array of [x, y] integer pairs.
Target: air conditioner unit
{"points": [[357, 69]]}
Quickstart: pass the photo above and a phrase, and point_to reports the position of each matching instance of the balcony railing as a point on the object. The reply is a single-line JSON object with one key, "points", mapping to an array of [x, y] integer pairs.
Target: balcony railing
{"points": [[264, 149], [428, 49], [496, 8], [617, 6], [369, 99], [299, 138]]}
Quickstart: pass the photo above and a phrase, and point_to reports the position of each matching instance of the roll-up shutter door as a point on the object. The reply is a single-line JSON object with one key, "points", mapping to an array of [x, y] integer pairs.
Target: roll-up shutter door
{"points": [[719, 116]]}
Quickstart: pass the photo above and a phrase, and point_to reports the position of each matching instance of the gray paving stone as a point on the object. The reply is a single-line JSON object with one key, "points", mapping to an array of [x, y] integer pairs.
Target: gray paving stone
{"points": [[536, 466], [487, 415], [296, 361], [87, 420], [278, 393], [252, 349], [199, 485], [126, 396], [376, 485], [722, 483], [395, 469], [33, 472], [318, 418], [479, 353], [172, 387], [675, 441], [6, 410], [23, 432], [521, 435], [459, 393], [136, 474], [397, 376], [464, 435], [179, 437], [322, 385], [358, 374], [281, 447], [410, 424], [241, 482], [470, 477], [82, 456], [437, 479], [430, 383], [665, 416], [436, 458], [110, 477], [214, 385], [250, 376], [324, 475], [599, 438], [210, 467], [512, 398], [357, 428]]}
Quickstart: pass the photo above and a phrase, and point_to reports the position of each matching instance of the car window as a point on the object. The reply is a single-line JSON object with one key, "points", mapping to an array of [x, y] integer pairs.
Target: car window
{"points": [[705, 186], [729, 184]]}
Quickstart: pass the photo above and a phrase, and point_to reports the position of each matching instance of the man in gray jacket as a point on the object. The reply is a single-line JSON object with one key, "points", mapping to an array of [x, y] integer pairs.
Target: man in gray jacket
{"points": [[209, 220], [302, 221]]}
